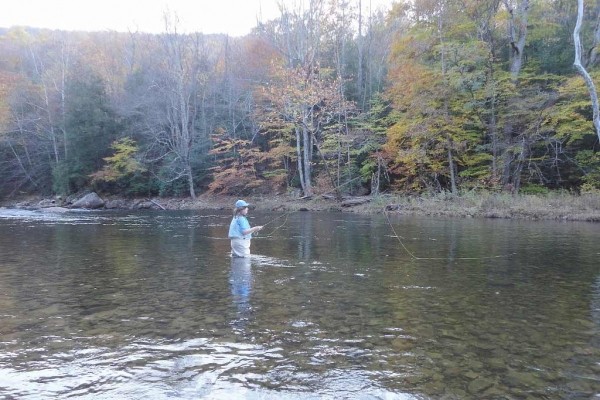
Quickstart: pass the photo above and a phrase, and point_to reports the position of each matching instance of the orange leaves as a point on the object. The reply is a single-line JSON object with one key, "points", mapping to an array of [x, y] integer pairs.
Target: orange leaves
{"points": [[411, 81], [224, 145], [259, 54], [236, 171]]}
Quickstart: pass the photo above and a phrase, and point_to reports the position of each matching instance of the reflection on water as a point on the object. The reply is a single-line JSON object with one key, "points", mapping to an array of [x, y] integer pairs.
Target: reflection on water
{"points": [[130, 305], [240, 279]]}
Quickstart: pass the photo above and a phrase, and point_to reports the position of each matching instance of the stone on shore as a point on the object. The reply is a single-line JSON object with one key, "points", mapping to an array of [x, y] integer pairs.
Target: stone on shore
{"points": [[355, 201], [90, 200]]}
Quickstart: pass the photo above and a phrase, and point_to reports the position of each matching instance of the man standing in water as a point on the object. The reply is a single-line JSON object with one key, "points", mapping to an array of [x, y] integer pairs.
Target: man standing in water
{"points": [[240, 231]]}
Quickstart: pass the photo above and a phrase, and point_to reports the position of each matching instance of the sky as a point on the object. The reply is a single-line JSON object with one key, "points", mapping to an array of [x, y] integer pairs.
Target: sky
{"points": [[233, 17]]}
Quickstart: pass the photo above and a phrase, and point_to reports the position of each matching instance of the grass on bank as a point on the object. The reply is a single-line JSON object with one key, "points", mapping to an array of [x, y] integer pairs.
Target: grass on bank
{"points": [[554, 206], [559, 206]]}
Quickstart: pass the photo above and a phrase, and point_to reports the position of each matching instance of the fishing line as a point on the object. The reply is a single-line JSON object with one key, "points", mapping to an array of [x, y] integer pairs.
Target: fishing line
{"points": [[396, 235], [280, 226], [315, 197], [434, 258]]}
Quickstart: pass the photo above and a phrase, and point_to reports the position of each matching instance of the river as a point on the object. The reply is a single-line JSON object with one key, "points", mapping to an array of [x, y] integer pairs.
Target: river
{"points": [[132, 305]]}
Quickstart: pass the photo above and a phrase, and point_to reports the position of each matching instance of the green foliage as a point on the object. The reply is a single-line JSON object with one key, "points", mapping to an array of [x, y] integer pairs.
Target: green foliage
{"points": [[571, 136], [60, 178], [68, 177], [176, 188], [588, 188], [476, 168], [544, 44], [91, 126], [571, 116], [534, 189], [589, 162]]}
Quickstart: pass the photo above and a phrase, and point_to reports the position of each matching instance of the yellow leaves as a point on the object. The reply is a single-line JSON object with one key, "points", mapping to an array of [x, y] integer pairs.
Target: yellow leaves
{"points": [[412, 84], [121, 164]]}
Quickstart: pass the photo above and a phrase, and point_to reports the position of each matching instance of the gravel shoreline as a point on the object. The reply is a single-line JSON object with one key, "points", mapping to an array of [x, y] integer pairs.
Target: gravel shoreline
{"points": [[564, 207]]}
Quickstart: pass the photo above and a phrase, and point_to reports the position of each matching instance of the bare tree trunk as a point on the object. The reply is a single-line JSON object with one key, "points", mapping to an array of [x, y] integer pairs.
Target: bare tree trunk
{"points": [[493, 127], [190, 179], [486, 33], [21, 165], [182, 86], [299, 156], [519, 166], [303, 147], [517, 38], [63, 106], [48, 108], [307, 158], [449, 145], [360, 43], [588, 79], [338, 195], [451, 165], [517, 35]]}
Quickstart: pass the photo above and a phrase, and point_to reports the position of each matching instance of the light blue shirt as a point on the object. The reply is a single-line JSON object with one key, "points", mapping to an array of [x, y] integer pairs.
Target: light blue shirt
{"points": [[238, 225]]}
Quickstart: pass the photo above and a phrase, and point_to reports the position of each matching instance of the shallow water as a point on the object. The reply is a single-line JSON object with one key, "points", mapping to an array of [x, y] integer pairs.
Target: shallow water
{"points": [[105, 305]]}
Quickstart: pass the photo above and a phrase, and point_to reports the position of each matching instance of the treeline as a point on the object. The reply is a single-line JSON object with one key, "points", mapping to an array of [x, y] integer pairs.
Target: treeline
{"points": [[431, 96]]}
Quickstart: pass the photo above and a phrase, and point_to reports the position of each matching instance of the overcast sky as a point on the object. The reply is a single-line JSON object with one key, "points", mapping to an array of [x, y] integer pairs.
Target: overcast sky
{"points": [[235, 17]]}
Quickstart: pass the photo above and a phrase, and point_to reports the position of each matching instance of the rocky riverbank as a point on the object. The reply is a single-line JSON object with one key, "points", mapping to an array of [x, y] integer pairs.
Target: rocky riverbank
{"points": [[558, 206]]}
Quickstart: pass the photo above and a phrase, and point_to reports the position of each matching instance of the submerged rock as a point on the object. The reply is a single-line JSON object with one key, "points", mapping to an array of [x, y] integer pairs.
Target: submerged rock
{"points": [[55, 209], [46, 203], [480, 384]]}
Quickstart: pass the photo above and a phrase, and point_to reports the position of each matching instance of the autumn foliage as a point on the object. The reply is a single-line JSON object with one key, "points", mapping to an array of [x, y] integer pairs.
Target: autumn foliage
{"points": [[428, 96]]}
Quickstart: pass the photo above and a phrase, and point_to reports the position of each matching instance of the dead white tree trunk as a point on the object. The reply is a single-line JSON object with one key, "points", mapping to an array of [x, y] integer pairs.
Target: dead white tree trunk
{"points": [[586, 77]]}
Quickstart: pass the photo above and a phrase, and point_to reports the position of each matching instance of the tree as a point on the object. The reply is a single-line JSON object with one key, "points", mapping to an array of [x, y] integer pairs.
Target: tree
{"points": [[304, 101], [91, 127], [581, 69], [236, 172], [437, 70], [517, 34], [122, 170], [296, 102], [170, 111], [39, 70]]}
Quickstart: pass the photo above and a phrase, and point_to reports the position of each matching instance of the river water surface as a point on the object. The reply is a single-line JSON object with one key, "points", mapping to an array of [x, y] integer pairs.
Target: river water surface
{"points": [[149, 305]]}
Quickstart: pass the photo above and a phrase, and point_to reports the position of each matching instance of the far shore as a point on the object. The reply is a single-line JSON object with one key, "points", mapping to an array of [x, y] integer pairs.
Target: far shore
{"points": [[554, 206]]}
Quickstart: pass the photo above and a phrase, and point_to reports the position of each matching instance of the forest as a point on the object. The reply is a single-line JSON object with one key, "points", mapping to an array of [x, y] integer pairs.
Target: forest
{"points": [[430, 96]]}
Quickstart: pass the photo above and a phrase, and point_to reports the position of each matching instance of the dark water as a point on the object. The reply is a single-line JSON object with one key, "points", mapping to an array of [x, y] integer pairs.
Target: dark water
{"points": [[117, 305]]}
